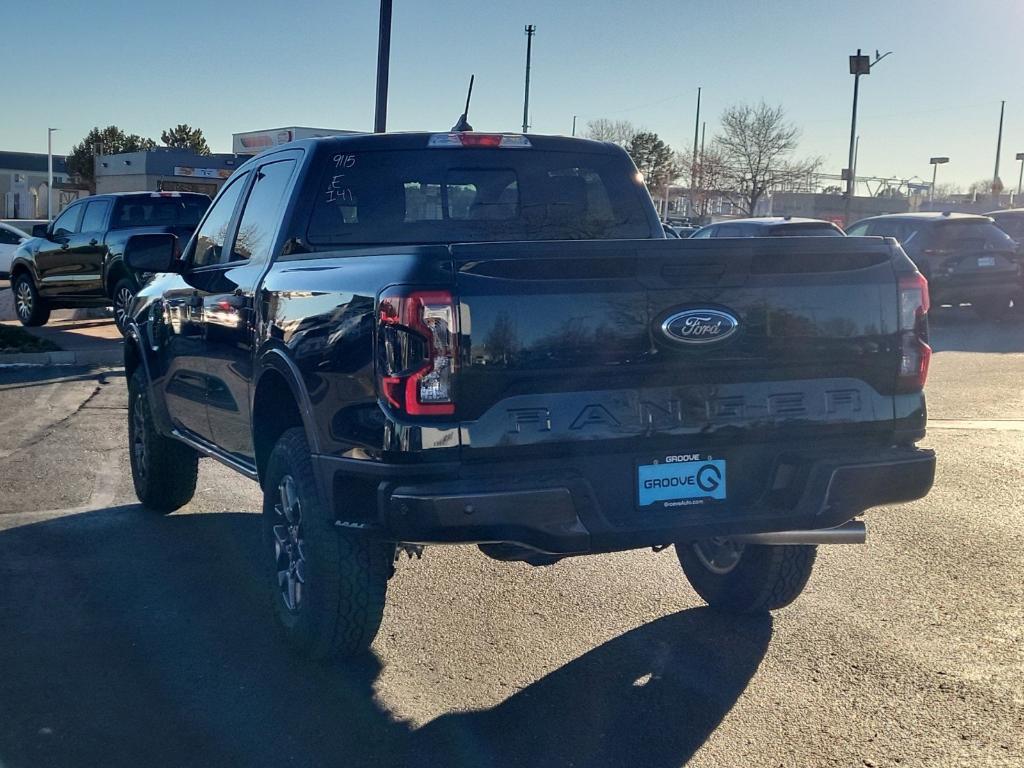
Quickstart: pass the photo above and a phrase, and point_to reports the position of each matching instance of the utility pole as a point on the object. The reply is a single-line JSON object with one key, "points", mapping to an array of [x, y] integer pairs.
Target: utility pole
{"points": [[693, 161], [996, 184], [49, 173], [530, 30], [574, 125], [380, 118], [859, 65], [703, 130], [1020, 179]]}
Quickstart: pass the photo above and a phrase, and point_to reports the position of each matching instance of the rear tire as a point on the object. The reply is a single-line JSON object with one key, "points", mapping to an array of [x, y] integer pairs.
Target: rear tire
{"points": [[164, 470], [122, 297], [31, 308], [328, 584], [749, 578]]}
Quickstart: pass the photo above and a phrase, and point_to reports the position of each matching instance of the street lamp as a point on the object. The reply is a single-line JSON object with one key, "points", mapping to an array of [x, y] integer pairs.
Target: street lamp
{"points": [[49, 173], [936, 162], [1020, 156], [859, 65]]}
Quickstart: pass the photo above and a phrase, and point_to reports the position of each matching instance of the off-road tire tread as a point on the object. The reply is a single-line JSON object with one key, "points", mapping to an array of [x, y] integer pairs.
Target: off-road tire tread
{"points": [[173, 466], [349, 568], [766, 579]]}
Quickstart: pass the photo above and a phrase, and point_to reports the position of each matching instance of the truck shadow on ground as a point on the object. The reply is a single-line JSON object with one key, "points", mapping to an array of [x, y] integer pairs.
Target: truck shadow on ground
{"points": [[129, 639]]}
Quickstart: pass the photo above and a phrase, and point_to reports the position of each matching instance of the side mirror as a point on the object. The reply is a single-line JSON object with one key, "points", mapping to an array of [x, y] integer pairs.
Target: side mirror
{"points": [[156, 252], [41, 230]]}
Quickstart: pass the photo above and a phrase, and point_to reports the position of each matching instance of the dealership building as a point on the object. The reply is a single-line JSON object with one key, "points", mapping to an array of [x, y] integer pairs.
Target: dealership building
{"points": [[179, 170]]}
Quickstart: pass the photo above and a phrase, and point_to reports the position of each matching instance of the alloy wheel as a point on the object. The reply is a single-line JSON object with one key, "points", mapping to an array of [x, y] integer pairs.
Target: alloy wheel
{"points": [[122, 302], [289, 547], [719, 555], [23, 300]]}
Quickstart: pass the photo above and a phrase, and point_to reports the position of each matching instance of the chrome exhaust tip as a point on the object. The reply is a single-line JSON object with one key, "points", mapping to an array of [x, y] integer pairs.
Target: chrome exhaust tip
{"points": [[853, 532]]}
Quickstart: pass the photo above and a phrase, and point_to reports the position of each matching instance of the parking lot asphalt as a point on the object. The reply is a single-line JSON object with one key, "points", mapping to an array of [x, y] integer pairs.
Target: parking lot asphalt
{"points": [[132, 639]]}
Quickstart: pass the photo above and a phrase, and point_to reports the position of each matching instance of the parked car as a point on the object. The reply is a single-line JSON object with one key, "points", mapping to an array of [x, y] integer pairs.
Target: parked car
{"points": [[77, 260], [1011, 221], [10, 238], [965, 257], [411, 339], [770, 226]]}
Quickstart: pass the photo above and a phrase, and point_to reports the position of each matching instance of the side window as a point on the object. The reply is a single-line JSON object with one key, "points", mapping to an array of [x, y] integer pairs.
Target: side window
{"points": [[67, 223], [8, 238], [703, 233], [214, 229], [95, 218], [858, 230], [262, 213]]}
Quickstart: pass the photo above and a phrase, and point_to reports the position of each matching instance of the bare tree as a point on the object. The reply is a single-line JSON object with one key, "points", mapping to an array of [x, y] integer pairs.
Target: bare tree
{"points": [[709, 174], [619, 132], [946, 191], [757, 145]]}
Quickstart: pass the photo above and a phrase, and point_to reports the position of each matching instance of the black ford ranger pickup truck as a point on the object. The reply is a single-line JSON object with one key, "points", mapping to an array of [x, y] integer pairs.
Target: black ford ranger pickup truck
{"points": [[77, 259], [414, 339]]}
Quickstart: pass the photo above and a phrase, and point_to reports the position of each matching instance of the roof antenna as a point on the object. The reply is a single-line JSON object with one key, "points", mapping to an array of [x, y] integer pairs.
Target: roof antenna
{"points": [[463, 123]]}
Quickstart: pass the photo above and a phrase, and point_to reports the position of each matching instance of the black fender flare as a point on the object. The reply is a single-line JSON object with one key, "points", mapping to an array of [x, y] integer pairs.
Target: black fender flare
{"points": [[277, 360], [29, 265]]}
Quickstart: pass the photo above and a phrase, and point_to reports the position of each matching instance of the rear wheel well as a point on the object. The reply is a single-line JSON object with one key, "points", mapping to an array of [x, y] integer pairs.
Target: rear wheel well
{"points": [[117, 272], [274, 411]]}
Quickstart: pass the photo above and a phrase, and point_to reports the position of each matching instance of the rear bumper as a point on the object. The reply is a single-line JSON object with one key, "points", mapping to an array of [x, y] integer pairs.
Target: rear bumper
{"points": [[560, 511]]}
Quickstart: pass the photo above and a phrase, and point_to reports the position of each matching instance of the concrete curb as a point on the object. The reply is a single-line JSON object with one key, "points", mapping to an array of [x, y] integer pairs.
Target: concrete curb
{"points": [[79, 357]]}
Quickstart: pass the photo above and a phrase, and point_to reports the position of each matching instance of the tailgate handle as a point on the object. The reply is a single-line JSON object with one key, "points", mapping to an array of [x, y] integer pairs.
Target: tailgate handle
{"points": [[692, 273]]}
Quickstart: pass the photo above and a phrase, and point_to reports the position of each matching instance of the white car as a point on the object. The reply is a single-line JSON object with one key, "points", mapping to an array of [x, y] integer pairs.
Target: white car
{"points": [[10, 239]]}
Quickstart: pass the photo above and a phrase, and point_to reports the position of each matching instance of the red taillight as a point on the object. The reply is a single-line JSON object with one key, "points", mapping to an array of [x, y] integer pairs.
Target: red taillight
{"points": [[915, 354], [418, 351]]}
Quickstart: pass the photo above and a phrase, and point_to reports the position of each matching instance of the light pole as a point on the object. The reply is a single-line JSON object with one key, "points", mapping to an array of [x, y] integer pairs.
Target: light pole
{"points": [[380, 116], [859, 65], [1020, 156], [936, 162], [49, 173], [574, 125]]}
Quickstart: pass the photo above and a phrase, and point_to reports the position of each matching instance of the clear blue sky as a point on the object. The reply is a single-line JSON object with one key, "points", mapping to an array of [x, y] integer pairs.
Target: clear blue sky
{"points": [[229, 66]]}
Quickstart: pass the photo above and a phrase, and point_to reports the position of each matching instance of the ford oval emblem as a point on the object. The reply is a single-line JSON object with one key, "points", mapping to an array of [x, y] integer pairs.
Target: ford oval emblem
{"points": [[700, 326]]}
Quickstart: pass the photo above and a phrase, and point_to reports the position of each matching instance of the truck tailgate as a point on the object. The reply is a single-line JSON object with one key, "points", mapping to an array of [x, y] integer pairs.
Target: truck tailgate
{"points": [[564, 343]]}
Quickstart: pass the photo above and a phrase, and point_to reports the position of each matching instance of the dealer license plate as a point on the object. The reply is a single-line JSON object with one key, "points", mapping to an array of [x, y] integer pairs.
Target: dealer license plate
{"points": [[681, 483]]}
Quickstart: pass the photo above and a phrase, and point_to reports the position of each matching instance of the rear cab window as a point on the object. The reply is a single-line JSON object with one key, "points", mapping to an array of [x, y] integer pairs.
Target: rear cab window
{"points": [[464, 195], [158, 210]]}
